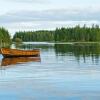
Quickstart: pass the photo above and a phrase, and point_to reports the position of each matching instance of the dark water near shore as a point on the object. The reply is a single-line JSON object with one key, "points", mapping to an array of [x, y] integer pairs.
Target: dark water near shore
{"points": [[65, 72]]}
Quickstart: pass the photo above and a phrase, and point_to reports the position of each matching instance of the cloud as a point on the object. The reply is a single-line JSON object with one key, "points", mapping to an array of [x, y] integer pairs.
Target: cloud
{"points": [[50, 15], [29, 1], [48, 19]]}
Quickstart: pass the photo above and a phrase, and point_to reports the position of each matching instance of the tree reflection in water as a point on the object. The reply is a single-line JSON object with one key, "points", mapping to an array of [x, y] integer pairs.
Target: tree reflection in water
{"points": [[79, 51]]}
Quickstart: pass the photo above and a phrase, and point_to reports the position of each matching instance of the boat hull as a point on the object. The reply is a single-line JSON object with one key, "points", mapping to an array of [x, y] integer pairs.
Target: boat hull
{"points": [[9, 53], [11, 56]]}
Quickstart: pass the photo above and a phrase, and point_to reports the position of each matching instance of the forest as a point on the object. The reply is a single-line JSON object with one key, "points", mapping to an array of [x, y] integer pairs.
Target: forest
{"points": [[34, 36], [69, 34]]}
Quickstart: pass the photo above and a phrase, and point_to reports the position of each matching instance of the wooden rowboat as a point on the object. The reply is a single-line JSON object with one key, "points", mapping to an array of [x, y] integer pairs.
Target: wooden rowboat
{"points": [[19, 53], [18, 60]]}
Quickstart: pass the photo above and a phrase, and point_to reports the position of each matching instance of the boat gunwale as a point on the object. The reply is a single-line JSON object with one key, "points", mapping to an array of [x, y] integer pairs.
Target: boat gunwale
{"points": [[19, 55]]}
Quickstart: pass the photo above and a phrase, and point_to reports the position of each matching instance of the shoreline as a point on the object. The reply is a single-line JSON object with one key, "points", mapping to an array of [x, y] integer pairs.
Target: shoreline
{"points": [[60, 42]]}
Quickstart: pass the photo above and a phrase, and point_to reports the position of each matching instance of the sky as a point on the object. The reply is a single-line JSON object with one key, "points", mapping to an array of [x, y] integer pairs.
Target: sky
{"points": [[20, 15]]}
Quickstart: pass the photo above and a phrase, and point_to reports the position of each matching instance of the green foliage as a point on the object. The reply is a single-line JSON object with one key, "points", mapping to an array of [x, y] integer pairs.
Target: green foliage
{"points": [[74, 34], [78, 34], [4, 36], [35, 36]]}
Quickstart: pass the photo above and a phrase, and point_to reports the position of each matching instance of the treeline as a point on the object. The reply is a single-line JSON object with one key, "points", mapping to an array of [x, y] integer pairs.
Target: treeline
{"points": [[77, 34], [72, 34], [4, 37], [34, 36]]}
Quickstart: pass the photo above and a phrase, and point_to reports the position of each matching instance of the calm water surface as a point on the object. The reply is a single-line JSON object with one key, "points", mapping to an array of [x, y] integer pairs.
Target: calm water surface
{"points": [[65, 72]]}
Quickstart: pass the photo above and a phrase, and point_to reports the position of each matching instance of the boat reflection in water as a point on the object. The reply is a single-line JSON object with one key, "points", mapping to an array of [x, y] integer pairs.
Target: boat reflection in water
{"points": [[18, 60]]}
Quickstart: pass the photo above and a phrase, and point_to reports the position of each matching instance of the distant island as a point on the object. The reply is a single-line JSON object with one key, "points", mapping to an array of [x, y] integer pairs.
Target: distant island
{"points": [[73, 34], [69, 34]]}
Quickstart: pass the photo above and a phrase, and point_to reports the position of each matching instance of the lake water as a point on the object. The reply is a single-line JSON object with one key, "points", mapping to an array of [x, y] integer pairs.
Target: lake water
{"points": [[64, 72]]}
